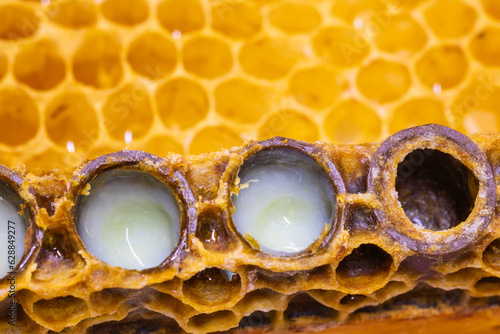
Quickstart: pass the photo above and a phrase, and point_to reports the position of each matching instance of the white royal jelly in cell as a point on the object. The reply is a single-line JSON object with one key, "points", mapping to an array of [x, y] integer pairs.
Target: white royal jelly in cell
{"points": [[13, 228], [285, 201], [130, 219]]}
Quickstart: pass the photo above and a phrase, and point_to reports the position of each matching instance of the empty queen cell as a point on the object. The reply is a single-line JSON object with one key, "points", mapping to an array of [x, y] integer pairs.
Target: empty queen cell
{"points": [[129, 219], [436, 186], [284, 202]]}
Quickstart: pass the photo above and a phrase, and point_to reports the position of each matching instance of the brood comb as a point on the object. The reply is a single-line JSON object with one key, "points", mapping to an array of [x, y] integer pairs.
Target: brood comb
{"points": [[413, 232]]}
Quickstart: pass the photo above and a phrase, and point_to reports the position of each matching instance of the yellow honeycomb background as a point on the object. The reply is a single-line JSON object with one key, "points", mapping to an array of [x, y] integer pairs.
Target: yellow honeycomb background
{"points": [[80, 78]]}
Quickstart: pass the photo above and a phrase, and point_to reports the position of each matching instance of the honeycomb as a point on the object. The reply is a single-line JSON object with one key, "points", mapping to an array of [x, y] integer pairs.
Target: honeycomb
{"points": [[81, 78], [415, 239]]}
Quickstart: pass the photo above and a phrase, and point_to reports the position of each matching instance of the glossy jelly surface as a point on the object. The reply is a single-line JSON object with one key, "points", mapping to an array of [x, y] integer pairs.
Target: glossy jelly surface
{"points": [[129, 219], [285, 201]]}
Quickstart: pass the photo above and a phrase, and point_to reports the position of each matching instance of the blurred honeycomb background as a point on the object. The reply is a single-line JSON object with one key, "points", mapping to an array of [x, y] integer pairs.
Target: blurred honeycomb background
{"points": [[80, 78]]}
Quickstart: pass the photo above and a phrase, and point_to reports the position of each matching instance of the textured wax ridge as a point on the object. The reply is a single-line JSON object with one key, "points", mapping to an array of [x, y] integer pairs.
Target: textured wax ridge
{"points": [[285, 201], [129, 220]]}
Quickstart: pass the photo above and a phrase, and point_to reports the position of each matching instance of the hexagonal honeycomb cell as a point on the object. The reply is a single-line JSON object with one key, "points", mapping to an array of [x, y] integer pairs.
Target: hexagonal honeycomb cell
{"points": [[340, 46], [152, 55], [128, 112], [243, 101], [40, 65], [401, 33], [450, 19], [74, 14], [383, 81], [240, 21], [418, 111], [484, 46], [181, 15], [268, 58], [295, 17], [97, 61], [19, 21], [193, 82], [20, 116], [317, 87], [72, 112], [181, 102], [445, 66], [491, 7], [352, 121], [128, 12], [207, 57]]}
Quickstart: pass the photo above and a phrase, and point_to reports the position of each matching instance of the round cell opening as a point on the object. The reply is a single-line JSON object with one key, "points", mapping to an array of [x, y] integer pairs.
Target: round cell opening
{"points": [[129, 219], [436, 191], [491, 255], [13, 228], [368, 261], [212, 286], [285, 202]]}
